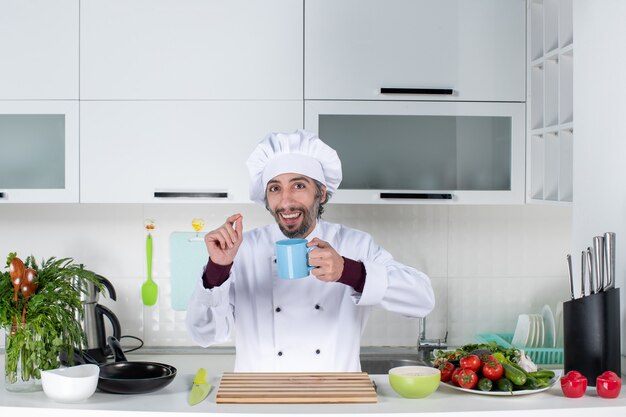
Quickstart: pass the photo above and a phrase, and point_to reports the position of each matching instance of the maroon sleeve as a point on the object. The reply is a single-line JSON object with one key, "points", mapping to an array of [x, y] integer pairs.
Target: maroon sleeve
{"points": [[353, 274], [215, 275]]}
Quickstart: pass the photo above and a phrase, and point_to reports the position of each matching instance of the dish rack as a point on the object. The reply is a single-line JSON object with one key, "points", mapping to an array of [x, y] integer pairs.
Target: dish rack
{"points": [[540, 356]]}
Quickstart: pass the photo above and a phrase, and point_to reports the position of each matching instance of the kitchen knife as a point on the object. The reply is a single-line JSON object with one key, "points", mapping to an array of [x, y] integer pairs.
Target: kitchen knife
{"points": [[200, 388], [569, 274], [598, 259], [609, 260], [583, 273], [592, 285]]}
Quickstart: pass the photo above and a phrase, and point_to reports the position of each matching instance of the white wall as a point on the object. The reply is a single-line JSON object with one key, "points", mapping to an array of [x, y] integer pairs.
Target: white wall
{"points": [[600, 141], [487, 263]]}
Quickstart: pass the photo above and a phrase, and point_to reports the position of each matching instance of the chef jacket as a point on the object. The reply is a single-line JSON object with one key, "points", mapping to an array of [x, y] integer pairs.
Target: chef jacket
{"points": [[302, 325]]}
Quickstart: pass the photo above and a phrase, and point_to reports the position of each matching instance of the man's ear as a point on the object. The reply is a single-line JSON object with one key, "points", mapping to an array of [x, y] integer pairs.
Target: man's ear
{"points": [[324, 196]]}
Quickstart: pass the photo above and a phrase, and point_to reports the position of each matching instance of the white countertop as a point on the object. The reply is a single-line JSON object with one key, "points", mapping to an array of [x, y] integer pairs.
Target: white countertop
{"points": [[173, 399]]}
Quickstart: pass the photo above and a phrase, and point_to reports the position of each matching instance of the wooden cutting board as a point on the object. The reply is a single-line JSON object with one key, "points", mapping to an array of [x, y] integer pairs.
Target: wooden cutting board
{"points": [[295, 388]]}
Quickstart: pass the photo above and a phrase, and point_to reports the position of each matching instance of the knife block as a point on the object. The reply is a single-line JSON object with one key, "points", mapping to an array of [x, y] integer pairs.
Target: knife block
{"points": [[591, 334]]}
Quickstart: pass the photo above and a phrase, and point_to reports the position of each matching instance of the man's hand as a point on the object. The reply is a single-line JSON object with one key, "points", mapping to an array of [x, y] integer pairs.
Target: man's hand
{"points": [[328, 263], [223, 242]]}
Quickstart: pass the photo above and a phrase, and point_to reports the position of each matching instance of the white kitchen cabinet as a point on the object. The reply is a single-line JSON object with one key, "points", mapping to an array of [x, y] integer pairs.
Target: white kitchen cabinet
{"points": [[174, 151], [39, 49], [476, 49], [550, 102], [39, 158], [408, 152], [191, 49]]}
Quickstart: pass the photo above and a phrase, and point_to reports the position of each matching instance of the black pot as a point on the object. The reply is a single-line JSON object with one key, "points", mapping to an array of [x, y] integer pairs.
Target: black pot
{"points": [[128, 377]]}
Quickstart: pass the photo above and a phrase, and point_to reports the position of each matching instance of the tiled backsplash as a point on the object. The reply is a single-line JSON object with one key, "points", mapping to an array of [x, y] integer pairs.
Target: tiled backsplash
{"points": [[487, 263]]}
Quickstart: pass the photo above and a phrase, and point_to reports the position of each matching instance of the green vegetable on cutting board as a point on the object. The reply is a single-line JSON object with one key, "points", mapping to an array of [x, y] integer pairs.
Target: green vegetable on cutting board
{"points": [[149, 289]]}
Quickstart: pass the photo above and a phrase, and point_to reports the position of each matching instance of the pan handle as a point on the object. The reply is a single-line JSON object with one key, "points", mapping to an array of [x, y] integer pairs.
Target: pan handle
{"points": [[116, 348]]}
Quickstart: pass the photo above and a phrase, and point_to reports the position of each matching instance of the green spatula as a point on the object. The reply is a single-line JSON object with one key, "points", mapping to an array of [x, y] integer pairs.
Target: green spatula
{"points": [[149, 289]]}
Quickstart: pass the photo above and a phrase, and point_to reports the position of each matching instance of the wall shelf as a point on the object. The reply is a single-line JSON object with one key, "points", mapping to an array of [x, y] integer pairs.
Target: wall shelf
{"points": [[550, 121]]}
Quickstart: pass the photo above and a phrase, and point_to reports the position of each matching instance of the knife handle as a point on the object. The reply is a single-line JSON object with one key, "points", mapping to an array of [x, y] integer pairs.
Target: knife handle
{"points": [[583, 273], [609, 259], [570, 276], [200, 376], [592, 285], [598, 258]]}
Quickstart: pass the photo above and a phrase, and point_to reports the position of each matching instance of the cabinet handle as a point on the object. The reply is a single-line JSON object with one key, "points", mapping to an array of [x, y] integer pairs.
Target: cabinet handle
{"points": [[2, 195], [430, 91], [190, 194], [418, 196]]}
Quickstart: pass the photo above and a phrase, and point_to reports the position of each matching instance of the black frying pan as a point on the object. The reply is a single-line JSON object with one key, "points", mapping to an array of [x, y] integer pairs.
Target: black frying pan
{"points": [[124, 377]]}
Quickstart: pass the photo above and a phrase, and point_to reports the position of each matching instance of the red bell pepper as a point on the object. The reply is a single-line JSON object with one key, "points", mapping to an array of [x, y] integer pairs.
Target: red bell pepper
{"points": [[608, 385], [573, 384]]}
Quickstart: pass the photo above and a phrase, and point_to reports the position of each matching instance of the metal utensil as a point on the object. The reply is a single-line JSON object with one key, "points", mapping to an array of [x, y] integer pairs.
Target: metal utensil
{"points": [[583, 273], [609, 260], [570, 276], [598, 259], [592, 285]]}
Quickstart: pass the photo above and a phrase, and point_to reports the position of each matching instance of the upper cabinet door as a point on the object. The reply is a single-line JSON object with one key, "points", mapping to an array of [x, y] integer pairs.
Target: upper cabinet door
{"points": [[38, 49], [355, 48], [39, 158], [191, 49], [174, 151]]}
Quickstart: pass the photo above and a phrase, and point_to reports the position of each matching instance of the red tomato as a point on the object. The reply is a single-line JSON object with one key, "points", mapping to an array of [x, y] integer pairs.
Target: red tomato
{"points": [[493, 370], [455, 376], [608, 385], [467, 379], [446, 370], [574, 384], [471, 362], [487, 358]]}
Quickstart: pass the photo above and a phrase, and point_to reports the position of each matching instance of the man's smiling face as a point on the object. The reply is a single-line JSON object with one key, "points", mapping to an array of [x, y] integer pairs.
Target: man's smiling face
{"points": [[294, 202]]}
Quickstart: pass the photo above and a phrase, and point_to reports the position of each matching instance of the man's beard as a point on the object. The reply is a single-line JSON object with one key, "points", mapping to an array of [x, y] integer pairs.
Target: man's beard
{"points": [[308, 218]]}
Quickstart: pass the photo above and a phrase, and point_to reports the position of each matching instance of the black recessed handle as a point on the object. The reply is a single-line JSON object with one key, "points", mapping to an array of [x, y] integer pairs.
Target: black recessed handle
{"points": [[429, 91], [190, 194], [2, 195], [418, 196]]}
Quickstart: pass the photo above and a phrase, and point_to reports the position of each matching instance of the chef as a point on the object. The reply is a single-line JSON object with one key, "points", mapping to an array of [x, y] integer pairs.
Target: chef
{"points": [[299, 325]]}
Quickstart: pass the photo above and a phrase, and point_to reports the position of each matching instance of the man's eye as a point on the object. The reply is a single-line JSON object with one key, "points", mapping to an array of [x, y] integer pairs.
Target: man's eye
{"points": [[299, 186], [272, 188]]}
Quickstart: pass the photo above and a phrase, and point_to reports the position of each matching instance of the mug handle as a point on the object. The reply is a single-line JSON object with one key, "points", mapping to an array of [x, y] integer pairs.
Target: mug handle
{"points": [[308, 249]]}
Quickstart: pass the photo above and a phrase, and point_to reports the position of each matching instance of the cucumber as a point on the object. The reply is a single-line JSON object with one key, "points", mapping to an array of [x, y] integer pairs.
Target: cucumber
{"points": [[504, 384], [485, 384], [515, 375], [542, 373]]}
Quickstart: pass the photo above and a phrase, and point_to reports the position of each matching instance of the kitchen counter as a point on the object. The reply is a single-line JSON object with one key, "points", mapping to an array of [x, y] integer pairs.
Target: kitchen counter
{"points": [[173, 399]]}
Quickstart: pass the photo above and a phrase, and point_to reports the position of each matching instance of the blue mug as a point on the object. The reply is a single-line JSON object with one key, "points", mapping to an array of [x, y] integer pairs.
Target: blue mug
{"points": [[292, 256]]}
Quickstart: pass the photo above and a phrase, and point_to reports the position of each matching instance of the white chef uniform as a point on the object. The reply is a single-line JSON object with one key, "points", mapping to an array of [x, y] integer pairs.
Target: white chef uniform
{"points": [[301, 324]]}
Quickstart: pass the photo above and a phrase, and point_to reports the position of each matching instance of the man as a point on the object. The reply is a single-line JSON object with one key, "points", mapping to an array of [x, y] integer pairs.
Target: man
{"points": [[309, 324]]}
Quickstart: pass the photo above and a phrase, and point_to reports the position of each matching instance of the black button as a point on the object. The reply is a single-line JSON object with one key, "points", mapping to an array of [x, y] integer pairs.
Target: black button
{"points": [[317, 306], [317, 351], [274, 260], [280, 353], [277, 309]]}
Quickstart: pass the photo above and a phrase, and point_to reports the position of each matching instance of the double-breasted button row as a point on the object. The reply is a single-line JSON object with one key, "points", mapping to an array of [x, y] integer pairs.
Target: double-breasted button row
{"points": [[317, 307], [317, 352]]}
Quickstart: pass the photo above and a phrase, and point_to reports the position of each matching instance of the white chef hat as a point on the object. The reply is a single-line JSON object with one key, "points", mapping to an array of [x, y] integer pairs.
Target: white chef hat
{"points": [[300, 152]]}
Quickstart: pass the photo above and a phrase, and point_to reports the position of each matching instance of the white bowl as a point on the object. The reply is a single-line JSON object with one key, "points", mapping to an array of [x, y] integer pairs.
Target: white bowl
{"points": [[69, 385]]}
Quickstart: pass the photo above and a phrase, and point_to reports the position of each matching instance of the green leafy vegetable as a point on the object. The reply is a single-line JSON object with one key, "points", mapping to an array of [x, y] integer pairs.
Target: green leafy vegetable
{"points": [[52, 320]]}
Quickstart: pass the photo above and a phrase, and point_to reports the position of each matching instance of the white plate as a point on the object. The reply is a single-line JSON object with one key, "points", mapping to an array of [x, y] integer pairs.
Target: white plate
{"points": [[559, 324], [522, 331], [506, 394], [534, 331], [540, 332], [550, 327]]}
